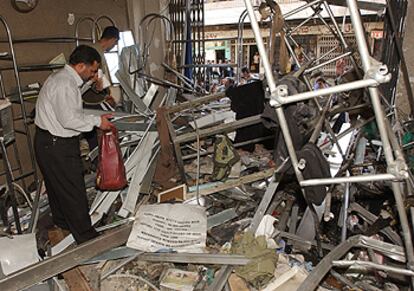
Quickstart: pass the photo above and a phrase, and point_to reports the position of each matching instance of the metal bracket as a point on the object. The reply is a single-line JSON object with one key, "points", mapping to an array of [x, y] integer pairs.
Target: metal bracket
{"points": [[277, 96], [302, 164], [399, 169], [378, 72]]}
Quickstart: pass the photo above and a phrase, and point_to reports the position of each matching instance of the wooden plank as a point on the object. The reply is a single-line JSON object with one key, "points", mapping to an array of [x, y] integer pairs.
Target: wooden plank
{"points": [[177, 193], [177, 149], [75, 278]]}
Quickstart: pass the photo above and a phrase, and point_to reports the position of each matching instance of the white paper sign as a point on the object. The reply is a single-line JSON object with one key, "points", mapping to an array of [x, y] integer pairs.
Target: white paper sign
{"points": [[176, 227]]}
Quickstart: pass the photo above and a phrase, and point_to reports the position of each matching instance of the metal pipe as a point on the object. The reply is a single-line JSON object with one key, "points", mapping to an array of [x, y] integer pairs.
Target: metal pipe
{"points": [[380, 118], [301, 8], [372, 265], [9, 180], [340, 36], [302, 23], [19, 163], [352, 179], [292, 51], [281, 116], [325, 54], [240, 43], [208, 65], [86, 18], [35, 209], [272, 85], [188, 82], [345, 206], [206, 40], [240, 30], [332, 136], [297, 45], [307, 71], [21, 100], [2, 88], [346, 132], [325, 91], [318, 127], [56, 39], [338, 30], [344, 280], [96, 25], [404, 69], [312, 281]]}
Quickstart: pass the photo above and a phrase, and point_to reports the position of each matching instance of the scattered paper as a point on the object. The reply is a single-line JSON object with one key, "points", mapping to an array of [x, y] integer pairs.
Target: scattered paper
{"points": [[173, 227]]}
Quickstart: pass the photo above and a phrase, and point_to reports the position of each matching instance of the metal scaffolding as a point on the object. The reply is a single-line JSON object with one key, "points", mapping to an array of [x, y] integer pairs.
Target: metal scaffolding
{"points": [[375, 74]]}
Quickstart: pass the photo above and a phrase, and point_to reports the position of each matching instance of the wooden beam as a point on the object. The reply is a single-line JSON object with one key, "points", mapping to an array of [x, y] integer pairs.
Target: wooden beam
{"points": [[74, 278]]}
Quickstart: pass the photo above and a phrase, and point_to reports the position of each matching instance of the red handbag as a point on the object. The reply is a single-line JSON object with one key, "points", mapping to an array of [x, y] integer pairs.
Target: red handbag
{"points": [[111, 169]]}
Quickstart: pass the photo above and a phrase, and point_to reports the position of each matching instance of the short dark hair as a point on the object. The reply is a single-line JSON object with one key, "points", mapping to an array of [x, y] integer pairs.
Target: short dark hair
{"points": [[84, 54], [110, 32], [245, 70]]}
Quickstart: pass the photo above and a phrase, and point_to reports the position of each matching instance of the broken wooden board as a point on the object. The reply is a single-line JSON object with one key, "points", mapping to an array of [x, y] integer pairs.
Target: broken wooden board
{"points": [[74, 278], [178, 193]]}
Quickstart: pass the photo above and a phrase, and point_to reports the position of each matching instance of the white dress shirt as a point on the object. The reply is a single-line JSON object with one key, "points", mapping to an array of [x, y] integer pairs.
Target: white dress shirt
{"points": [[59, 105]]}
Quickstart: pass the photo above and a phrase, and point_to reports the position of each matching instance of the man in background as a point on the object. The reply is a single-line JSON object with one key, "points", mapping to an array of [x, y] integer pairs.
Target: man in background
{"points": [[96, 92], [100, 91]]}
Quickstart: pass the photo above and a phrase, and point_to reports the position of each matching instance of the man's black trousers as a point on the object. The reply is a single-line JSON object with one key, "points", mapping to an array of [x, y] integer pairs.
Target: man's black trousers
{"points": [[60, 163]]}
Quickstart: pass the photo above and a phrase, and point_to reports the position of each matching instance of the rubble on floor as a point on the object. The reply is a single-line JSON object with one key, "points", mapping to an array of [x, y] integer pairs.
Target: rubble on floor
{"points": [[214, 201], [277, 259]]}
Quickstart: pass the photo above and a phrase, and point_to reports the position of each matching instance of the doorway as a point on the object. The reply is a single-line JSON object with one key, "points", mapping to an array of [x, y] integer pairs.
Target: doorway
{"points": [[220, 55]]}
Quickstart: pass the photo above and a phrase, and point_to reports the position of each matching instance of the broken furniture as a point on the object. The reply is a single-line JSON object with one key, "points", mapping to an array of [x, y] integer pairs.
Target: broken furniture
{"points": [[201, 133]]}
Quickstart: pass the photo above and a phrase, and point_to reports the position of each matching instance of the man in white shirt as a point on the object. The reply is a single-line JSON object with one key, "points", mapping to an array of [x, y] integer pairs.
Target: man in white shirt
{"points": [[59, 122]]}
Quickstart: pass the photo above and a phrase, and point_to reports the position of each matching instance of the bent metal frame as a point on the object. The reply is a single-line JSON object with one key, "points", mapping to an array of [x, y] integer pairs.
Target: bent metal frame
{"points": [[374, 75]]}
